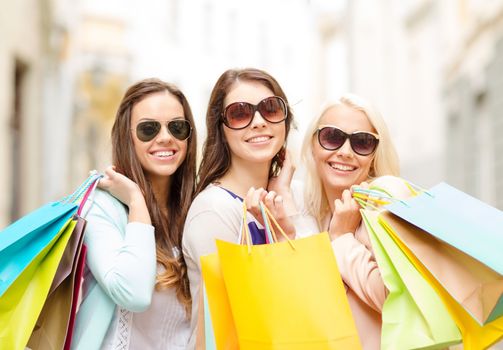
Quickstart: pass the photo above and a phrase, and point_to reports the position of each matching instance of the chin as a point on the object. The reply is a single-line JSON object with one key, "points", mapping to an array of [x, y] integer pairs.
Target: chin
{"points": [[343, 183], [163, 172]]}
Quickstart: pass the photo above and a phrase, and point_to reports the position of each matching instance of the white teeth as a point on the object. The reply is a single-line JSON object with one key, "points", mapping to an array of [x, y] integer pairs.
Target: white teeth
{"points": [[342, 167], [259, 139], [163, 154]]}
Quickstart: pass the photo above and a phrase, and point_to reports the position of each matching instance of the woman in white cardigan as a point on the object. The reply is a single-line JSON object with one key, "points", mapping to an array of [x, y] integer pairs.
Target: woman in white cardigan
{"points": [[136, 293]]}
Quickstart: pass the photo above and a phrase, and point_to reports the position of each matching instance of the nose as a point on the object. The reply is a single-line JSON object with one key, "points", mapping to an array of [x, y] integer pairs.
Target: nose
{"points": [[345, 150], [258, 121], [164, 135]]}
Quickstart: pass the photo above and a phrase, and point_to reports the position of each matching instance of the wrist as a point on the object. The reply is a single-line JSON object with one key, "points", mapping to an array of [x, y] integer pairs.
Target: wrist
{"points": [[334, 235], [137, 201]]}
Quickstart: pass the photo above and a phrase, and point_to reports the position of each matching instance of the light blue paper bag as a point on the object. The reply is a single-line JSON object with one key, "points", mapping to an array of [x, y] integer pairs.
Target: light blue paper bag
{"points": [[461, 221], [464, 222], [24, 239], [21, 242]]}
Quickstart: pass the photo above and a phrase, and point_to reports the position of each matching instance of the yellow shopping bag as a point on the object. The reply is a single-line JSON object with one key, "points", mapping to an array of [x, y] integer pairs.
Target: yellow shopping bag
{"points": [[222, 322], [287, 295], [475, 335]]}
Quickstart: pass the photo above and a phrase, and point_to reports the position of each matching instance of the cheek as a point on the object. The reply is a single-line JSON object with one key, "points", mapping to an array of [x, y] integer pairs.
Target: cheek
{"points": [[319, 160], [365, 164], [281, 131], [232, 138], [139, 148], [184, 146]]}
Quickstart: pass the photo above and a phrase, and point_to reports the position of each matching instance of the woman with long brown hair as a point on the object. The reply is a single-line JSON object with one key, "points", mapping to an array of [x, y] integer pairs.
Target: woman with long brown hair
{"points": [[136, 293], [248, 121]]}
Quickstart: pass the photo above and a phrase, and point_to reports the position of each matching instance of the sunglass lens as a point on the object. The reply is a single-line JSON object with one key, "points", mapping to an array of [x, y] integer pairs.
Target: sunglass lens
{"points": [[331, 138], [180, 129], [364, 143], [238, 115], [146, 131], [273, 109]]}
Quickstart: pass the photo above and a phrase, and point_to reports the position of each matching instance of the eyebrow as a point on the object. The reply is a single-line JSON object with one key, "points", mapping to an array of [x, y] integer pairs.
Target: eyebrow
{"points": [[164, 120]]}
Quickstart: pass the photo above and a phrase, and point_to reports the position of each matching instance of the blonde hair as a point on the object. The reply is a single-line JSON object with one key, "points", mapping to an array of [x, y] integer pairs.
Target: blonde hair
{"points": [[385, 160]]}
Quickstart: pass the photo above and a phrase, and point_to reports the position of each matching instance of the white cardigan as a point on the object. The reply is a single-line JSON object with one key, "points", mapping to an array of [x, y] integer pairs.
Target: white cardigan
{"points": [[120, 309]]}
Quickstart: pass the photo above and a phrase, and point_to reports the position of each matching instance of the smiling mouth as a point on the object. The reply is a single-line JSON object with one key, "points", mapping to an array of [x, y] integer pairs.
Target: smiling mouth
{"points": [[342, 167], [259, 139], [163, 154]]}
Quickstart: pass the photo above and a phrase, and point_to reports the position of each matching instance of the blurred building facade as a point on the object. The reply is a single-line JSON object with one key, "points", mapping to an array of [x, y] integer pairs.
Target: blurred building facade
{"points": [[23, 45], [431, 67]]}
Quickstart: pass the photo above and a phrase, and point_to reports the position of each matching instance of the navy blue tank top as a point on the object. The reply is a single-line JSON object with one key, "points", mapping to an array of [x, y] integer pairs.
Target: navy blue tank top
{"points": [[257, 234]]}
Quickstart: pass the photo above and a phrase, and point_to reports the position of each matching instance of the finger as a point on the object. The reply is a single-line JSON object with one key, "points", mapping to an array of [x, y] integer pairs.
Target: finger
{"points": [[263, 195], [104, 182], [354, 204], [249, 197], [269, 201], [353, 188], [258, 195], [110, 172], [364, 184], [280, 208], [338, 206], [346, 196]]}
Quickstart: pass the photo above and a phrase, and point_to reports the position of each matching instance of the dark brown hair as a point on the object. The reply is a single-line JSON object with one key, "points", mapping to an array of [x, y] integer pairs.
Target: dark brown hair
{"points": [[216, 157], [168, 230]]}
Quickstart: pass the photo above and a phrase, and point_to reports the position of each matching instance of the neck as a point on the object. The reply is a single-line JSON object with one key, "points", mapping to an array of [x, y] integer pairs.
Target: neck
{"points": [[332, 195], [242, 175], [160, 187]]}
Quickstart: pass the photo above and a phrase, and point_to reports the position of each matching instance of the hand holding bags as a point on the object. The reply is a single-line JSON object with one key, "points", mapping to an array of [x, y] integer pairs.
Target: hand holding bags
{"points": [[470, 290], [287, 295]]}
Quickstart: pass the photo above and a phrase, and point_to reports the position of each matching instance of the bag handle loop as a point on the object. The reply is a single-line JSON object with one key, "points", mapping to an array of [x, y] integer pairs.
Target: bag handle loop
{"points": [[269, 223]]}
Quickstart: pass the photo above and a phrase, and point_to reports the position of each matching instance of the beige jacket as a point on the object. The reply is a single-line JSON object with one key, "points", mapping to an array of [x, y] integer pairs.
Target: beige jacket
{"points": [[364, 286]]}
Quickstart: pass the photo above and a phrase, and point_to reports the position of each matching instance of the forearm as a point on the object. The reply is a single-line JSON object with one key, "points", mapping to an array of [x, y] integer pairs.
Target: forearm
{"points": [[138, 211]]}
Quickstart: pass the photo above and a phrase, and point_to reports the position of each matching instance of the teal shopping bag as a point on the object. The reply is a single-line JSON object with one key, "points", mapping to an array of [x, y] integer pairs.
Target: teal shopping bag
{"points": [[23, 240], [27, 237]]}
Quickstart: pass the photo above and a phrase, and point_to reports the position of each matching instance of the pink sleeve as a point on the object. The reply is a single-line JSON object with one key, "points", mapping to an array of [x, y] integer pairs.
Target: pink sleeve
{"points": [[358, 267]]}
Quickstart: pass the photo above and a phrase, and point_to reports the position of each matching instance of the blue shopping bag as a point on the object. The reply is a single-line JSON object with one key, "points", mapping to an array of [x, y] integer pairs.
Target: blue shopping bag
{"points": [[458, 219], [23, 240]]}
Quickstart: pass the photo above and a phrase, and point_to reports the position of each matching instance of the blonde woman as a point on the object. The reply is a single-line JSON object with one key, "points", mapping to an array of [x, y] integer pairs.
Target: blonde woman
{"points": [[349, 144]]}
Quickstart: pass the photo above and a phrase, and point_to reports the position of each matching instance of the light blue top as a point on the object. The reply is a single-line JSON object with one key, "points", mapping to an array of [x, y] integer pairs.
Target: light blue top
{"points": [[120, 269]]}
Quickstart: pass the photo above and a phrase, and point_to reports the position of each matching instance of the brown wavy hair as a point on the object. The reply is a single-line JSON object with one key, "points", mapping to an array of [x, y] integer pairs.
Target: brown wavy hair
{"points": [[216, 155], [168, 229]]}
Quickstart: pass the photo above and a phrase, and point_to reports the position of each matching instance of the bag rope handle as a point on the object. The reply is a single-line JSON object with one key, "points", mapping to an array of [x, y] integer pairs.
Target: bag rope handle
{"points": [[269, 223], [278, 226], [80, 191]]}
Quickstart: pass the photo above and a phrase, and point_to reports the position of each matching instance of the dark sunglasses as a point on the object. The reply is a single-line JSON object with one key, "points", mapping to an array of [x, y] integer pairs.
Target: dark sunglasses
{"points": [[239, 115], [178, 128], [332, 138]]}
